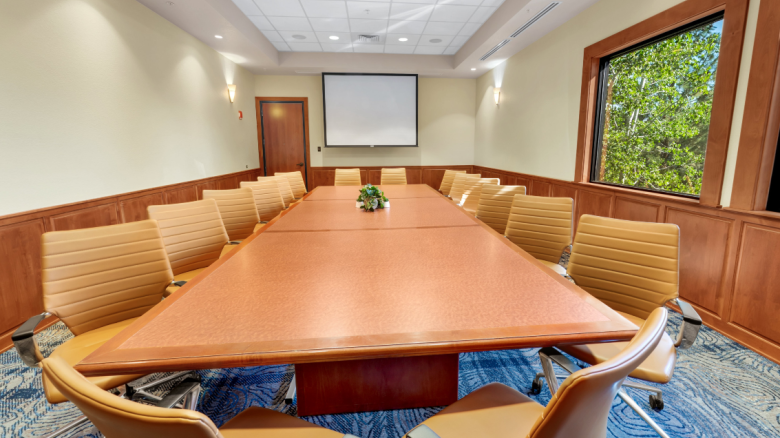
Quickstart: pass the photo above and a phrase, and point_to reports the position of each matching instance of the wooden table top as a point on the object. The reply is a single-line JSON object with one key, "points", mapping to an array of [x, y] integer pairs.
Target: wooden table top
{"points": [[289, 296], [332, 193]]}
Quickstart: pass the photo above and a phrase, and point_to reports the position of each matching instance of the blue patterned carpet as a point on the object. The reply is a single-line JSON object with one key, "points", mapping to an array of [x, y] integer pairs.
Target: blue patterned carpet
{"points": [[720, 389]]}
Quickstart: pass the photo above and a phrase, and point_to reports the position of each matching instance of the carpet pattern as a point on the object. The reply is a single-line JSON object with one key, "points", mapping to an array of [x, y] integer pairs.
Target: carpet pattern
{"points": [[720, 389]]}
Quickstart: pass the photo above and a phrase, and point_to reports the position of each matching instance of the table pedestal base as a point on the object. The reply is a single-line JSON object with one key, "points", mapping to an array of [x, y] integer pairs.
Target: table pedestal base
{"points": [[376, 384]]}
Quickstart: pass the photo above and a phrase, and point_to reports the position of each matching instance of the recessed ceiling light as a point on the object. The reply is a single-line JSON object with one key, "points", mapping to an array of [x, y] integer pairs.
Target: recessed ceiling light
{"points": [[299, 37], [403, 39], [219, 37], [473, 69], [333, 37], [435, 40]]}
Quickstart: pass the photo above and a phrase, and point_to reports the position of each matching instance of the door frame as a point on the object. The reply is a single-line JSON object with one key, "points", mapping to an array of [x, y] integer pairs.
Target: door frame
{"points": [[306, 131]]}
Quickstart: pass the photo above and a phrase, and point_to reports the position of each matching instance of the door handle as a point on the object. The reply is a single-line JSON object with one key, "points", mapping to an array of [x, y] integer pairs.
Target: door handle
{"points": [[300, 164]]}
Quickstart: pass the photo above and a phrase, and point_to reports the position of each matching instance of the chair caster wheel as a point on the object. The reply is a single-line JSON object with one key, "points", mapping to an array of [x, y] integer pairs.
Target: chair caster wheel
{"points": [[656, 403], [536, 387]]}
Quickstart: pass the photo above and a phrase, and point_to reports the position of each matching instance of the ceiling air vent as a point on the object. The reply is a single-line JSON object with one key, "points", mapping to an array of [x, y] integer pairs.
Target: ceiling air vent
{"points": [[536, 18], [494, 50], [368, 38]]}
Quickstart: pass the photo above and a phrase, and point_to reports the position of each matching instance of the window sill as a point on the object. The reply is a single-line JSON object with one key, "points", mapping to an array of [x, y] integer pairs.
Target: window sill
{"points": [[643, 194]]}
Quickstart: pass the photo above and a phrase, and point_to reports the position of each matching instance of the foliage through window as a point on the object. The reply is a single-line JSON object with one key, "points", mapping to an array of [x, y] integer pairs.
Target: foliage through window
{"points": [[653, 118]]}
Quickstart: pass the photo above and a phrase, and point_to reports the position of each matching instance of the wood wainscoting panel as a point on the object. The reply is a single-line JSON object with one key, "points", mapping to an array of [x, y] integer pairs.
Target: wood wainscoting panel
{"points": [[321, 177], [633, 210], [375, 177], [703, 250], [433, 177], [502, 178], [756, 302], [597, 204], [540, 188], [97, 216], [21, 293], [414, 176], [134, 209], [363, 177], [227, 183], [179, 195], [559, 191], [207, 185]]}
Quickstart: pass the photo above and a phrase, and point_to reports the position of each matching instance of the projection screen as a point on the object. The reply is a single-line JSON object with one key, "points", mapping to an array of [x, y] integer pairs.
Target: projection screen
{"points": [[370, 110]]}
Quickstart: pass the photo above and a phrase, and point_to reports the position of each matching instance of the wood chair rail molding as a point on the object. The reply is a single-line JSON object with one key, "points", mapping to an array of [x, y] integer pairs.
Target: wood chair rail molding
{"points": [[21, 295], [761, 120], [727, 261], [725, 87]]}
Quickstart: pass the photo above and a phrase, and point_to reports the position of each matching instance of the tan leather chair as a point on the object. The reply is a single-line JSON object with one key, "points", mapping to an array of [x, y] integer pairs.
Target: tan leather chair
{"points": [[268, 198], [542, 227], [284, 188], [296, 183], [238, 211], [97, 281], [347, 177], [459, 185], [117, 417], [579, 409], [395, 176], [472, 193], [446, 182], [194, 237], [495, 202], [633, 267]]}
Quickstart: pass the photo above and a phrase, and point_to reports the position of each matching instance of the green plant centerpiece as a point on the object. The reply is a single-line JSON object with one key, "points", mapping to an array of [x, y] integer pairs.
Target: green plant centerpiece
{"points": [[371, 198]]}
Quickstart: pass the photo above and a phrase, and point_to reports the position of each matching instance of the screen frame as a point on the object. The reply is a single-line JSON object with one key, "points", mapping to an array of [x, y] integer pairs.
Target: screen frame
{"points": [[416, 111]]}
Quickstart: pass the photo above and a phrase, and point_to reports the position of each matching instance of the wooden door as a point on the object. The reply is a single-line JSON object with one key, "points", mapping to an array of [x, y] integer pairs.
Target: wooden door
{"points": [[283, 136]]}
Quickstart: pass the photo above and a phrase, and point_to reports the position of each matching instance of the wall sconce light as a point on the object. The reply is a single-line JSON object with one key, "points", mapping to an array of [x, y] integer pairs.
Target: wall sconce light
{"points": [[232, 92], [496, 94]]}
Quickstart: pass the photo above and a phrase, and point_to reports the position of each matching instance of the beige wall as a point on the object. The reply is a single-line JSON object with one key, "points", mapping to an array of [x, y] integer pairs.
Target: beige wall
{"points": [[446, 123], [102, 97], [534, 129]]}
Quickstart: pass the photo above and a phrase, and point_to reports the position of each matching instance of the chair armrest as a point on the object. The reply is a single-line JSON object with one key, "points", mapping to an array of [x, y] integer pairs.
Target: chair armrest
{"points": [[234, 242], [178, 393], [24, 341], [422, 431], [690, 326], [178, 283], [556, 356], [564, 258]]}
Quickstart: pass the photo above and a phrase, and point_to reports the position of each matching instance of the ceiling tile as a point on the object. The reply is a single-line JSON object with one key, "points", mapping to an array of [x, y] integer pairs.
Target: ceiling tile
{"points": [[459, 41], [410, 27], [330, 24], [281, 8], [452, 13], [248, 7], [495, 3], [399, 49], [334, 47], [282, 47], [429, 50], [290, 23], [324, 37], [393, 39], [289, 36], [326, 9], [410, 11], [419, 2], [368, 26], [305, 47], [451, 50], [368, 48], [425, 40], [482, 14], [460, 2], [469, 29], [368, 10], [439, 28], [273, 36], [261, 22]]}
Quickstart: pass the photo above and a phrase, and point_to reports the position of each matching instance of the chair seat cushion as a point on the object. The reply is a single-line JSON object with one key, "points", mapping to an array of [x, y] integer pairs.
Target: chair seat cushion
{"points": [[657, 368], [79, 347], [184, 276], [495, 410], [560, 270], [257, 227], [257, 422]]}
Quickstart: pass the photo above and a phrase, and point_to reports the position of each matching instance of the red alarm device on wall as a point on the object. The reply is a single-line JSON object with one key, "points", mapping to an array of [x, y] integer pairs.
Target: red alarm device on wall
{"points": [[240, 115]]}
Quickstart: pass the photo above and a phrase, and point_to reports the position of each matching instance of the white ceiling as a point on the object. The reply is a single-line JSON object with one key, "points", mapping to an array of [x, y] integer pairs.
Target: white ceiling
{"points": [[260, 35], [423, 27]]}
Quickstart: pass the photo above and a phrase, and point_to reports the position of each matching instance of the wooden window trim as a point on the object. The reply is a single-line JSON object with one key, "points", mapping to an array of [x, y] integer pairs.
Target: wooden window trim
{"points": [[735, 18], [761, 120]]}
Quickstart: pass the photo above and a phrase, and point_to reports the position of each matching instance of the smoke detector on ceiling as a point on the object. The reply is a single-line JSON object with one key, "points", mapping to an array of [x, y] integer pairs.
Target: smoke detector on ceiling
{"points": [[368, 38]]}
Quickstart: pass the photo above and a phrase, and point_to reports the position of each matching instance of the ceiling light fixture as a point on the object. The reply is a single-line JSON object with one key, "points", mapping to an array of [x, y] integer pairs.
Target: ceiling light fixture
{"points": [[333, 37], [403, 40], [299, 37], [219, 37], [435, 40]]}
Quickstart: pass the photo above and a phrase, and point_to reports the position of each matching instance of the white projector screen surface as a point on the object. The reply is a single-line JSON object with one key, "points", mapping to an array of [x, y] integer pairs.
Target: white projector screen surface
{"points": [[370, 110]]}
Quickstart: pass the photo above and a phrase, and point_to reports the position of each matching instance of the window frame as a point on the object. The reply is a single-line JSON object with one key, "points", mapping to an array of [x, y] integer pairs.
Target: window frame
{"points": [[671, 20]]}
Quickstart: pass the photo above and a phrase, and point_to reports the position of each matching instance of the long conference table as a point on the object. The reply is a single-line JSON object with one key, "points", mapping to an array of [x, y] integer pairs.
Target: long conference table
{"points": [[371, 307]]}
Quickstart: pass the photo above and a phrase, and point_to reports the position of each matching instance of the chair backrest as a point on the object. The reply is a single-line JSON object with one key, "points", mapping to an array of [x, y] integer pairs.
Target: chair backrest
{"points": [[395, 176], [446, 182], [631, 266], [459, 185], [347, 177], [296, 182], [494, 204], [237, 209], [581, 406], [94, 277], [193, 233], [284, 188], [541, 226], [116, 417], [472, 194], [268, 198], [469, 183]]}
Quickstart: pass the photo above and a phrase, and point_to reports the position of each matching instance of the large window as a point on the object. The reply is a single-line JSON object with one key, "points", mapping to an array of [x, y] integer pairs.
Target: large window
{"points": [[654, 107]]}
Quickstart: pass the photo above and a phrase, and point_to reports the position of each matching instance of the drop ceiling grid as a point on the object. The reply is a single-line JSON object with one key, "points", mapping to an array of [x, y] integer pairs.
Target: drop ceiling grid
{"points": [[281, 20]]}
